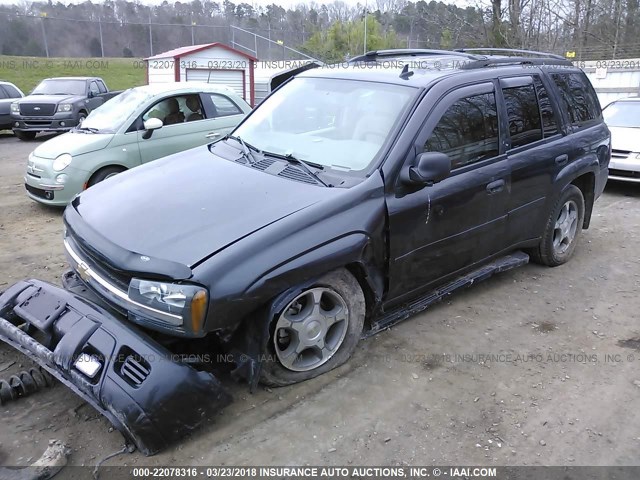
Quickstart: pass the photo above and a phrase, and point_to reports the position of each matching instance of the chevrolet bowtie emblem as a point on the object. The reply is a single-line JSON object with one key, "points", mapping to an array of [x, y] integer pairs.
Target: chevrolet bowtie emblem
{"points": [[83, 271]]}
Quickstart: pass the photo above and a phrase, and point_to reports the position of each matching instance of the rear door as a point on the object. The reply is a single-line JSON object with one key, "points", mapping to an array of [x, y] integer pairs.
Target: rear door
{"points": [[536, 149], [444, 229]]}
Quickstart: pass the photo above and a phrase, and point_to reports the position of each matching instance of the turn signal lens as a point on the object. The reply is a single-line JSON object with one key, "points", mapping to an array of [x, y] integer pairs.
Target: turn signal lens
{"points": [[198, 310]]}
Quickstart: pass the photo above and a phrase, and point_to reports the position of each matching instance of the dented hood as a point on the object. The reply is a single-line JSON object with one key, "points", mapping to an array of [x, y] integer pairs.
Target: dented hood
{"points": [[188, 206]]}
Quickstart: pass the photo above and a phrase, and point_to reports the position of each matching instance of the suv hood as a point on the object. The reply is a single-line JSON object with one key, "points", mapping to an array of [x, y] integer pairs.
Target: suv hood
{"points": [[623, 138], [73, 143], [38, 99], [190, 205]]}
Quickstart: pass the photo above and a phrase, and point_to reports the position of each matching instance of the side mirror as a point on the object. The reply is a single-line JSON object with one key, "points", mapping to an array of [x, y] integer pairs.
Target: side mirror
{"points": [[150, 125], [90, 94], [429, 168]]}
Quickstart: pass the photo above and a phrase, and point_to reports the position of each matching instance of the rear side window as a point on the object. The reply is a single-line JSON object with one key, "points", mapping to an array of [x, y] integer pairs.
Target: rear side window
{"points": [[578, 97], [549, 120], [468, 131], [523, 115], [223, 106]]}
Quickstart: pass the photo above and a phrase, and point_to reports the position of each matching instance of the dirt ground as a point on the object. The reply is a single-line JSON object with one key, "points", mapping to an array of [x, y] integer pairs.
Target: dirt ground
{"points": [[535, 366]]}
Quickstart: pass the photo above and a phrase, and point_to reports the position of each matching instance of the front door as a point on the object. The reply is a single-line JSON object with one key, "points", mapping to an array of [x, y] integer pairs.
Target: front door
{"points": [[185, 125], [439, 230]]}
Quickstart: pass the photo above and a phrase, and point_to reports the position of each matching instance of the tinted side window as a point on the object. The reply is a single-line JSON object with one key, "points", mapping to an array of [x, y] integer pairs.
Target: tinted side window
{"points": [[468, 131], [523, 115], [12, 91], [224, 106], [549, 121], [93, 88], [578, 97], [102, 87]]}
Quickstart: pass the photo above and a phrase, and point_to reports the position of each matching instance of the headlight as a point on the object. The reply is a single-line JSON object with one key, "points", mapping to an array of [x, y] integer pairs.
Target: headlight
{"points": [[187, 301], [62, 162], [15, 108], [64, 107]]}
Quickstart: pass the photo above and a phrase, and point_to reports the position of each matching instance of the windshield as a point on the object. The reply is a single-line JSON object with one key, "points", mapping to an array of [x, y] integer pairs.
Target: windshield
{"points": [[60, 87], [340, 124], [622, 114], [111, 115]]}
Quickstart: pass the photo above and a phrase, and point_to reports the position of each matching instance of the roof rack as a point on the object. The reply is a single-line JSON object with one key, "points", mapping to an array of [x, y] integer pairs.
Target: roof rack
{"points": [[411, 52], [510, 50], [496, 61]]}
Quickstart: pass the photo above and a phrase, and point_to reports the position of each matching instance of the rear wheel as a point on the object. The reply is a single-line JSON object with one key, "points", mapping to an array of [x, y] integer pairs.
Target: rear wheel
{"points": [[103, 174], [316, 332], [562, 230], [25, 135]]}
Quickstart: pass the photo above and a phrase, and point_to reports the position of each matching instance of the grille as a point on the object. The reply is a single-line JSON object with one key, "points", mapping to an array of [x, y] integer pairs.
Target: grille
{"points": [[35, 191], [36, 110], [619, 153], [624, 173], [135, 370], [113, 276]]}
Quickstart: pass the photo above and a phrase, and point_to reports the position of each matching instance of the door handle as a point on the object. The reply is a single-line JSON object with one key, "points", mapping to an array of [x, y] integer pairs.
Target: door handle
{"points": [[495, 187], [562, 159], [213, 135]]}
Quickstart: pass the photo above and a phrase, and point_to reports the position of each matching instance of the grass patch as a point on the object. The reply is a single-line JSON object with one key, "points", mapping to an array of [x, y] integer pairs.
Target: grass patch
{"points": [[27, 72]]}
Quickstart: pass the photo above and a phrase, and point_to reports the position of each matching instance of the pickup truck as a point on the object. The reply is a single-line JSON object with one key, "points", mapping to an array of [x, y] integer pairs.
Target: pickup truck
{"points": [[57, 105]]}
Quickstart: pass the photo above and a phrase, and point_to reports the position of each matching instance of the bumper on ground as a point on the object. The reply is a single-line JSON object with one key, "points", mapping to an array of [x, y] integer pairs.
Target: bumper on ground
{"points": [[125, 375]]}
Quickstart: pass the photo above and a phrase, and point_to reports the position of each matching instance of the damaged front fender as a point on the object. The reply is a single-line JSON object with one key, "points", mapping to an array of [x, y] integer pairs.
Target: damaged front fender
{"points": [[124, 374]]}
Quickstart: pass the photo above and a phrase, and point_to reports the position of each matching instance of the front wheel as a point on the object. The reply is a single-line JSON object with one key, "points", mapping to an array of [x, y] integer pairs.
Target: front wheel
{"points": [[317, 331], [562, 229], [103, 174]]}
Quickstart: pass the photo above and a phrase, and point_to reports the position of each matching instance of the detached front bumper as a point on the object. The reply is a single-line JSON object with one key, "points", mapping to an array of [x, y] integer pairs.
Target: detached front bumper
{"points": [[125, 375]]}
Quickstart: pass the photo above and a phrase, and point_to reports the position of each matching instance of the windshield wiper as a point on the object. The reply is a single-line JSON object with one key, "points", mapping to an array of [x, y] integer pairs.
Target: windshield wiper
{"points": [[246, 148], [306, 166]]}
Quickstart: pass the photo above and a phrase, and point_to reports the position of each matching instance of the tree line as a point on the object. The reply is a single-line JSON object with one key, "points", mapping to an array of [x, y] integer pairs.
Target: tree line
{"points": [[591, 29]]}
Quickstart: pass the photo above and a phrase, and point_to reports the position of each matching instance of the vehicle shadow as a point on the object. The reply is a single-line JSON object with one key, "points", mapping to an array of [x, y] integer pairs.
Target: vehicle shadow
{"points": [[623, 189], [41, 137]]}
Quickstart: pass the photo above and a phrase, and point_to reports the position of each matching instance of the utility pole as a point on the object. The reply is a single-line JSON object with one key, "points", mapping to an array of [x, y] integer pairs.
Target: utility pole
{"points": [[193, 36], [44, 33], [150, 36], [365, 27], [101, 42]]}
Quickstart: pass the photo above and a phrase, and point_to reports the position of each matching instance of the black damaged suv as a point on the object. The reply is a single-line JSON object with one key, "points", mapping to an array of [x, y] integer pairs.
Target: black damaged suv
{"points": [[353, 196]]}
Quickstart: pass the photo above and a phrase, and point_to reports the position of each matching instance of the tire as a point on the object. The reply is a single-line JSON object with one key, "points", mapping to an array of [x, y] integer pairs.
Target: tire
{"points": [[562, 229], [103, 174], [337, 295], [25, 136], [81, 117]]}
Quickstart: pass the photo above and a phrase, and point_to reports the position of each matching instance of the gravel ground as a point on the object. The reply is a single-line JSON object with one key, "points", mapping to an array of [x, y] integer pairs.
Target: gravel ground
{"points": [[535, 366]]}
